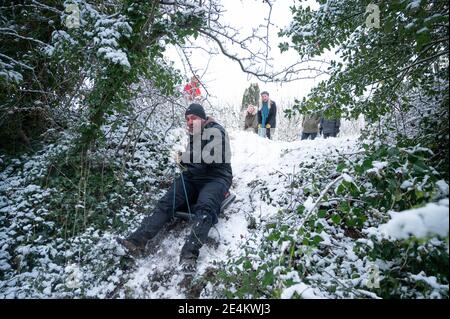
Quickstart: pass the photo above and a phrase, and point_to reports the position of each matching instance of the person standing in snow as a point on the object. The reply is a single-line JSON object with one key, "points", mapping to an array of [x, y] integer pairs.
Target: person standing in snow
{"points": [[267, 116], [251, 119], [200, 189], [192, 91], [329, 127], [310, 126]]}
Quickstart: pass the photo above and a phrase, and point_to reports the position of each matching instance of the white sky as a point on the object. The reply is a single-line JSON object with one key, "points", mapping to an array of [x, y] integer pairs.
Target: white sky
{"points": [[224, 78]]}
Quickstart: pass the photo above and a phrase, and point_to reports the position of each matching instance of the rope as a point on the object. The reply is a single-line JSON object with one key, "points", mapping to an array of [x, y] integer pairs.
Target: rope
{"points": [[187, 202], [174, 193], [185, 195], [218, 233], [188, 206]]}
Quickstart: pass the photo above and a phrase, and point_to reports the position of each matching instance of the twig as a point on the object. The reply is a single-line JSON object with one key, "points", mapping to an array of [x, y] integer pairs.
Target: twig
{"points": [[311, 210]]}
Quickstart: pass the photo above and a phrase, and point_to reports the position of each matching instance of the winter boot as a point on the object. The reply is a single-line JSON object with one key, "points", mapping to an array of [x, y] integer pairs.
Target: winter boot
{"points": [[197, 237], [134, 249], [188, 264]]}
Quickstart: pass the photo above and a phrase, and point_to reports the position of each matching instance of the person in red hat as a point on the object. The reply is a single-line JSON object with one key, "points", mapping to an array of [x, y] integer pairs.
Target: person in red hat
{"points": [[192, 89]]}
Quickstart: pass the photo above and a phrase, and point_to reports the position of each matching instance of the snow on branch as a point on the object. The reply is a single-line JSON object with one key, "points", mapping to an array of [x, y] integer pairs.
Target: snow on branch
{"points": [[249, 51]]}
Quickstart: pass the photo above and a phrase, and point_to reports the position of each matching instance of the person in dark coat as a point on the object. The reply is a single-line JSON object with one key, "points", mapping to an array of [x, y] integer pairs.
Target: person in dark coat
{"points": [[200, 189], [267, 115], [329, 127]]}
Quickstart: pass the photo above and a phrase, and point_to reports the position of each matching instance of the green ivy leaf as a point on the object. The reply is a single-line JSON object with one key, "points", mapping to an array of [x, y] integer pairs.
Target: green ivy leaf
{"points": [[300, 209], [340, 167], [336, 219], [247, 265], [322, 213], [317, 239], [268, 279]]}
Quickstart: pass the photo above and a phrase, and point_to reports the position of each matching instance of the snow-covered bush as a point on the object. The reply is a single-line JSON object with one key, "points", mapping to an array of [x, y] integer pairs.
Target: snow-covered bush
{"points": [[338, 235], [61, 209]]}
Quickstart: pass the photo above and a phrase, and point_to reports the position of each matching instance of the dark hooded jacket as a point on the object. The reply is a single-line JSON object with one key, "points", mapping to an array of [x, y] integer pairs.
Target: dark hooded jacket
{"points": [[330, 126], [213, 137]]}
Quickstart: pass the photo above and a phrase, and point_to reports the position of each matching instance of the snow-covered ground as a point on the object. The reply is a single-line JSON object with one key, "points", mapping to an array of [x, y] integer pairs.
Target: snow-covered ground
{"points": [[254, 158], [264, 171]]}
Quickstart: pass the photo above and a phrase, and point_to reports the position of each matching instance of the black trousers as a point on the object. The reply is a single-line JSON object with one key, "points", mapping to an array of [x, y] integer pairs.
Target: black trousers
{"points": [[306, 135], [326, 135], [203, 198], [266, 132]]}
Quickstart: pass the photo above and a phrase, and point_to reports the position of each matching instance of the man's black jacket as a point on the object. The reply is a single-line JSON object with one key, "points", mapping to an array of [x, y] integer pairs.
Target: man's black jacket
{"points": [[202, 169]]}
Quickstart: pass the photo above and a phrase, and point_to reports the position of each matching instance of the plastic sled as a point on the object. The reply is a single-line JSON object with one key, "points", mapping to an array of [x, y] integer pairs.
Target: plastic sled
{"points": [[229, 198]]}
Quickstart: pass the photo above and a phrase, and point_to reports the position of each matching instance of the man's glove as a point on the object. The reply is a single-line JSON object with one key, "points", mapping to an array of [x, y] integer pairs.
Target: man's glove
{"points": [[267, 125], [177, 158], [259, 125]]}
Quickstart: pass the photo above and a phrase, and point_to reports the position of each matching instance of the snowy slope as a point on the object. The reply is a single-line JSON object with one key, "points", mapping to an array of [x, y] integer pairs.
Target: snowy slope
{"points": [[254, 158], [264, 172]]}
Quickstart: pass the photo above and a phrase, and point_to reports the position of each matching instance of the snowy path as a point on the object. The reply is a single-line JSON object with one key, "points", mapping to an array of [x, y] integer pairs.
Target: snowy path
{"points": [[255, 160]]}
